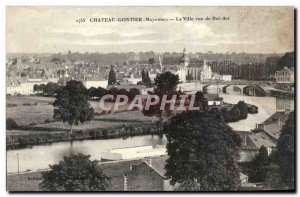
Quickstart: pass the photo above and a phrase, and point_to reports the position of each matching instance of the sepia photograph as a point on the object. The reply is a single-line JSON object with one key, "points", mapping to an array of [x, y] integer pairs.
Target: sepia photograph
{"points": [[150, 98]]}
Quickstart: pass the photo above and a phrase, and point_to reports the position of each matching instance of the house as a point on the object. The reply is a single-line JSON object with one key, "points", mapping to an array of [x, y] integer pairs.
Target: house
{"points": [[244, 181], [248, 150], [252, 142], [273, 125], [134, 78], [22, 86], [261, 139], [95, 82], [273, 130], [285, 76], [217, 76], [149, 175]]}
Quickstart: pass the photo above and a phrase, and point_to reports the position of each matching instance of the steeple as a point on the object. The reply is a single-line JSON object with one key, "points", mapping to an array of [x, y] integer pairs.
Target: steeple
{"points": [[185, 59], [160, 64]]}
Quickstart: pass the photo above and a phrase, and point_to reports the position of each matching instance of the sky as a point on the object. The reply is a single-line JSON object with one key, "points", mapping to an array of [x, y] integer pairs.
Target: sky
{"points": [[54, 29]]}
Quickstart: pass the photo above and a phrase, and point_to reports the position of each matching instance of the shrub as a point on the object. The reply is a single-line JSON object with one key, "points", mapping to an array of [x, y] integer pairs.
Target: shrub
{"points": [[11, 124], [47, 121], [11, 105]]}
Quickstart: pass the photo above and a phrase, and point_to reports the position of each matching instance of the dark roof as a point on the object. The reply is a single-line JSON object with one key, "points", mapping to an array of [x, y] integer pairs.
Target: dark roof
{"points": [[247, 143], [157, 164]]}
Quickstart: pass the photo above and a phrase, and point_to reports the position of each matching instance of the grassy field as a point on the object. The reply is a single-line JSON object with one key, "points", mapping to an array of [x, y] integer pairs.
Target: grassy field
{"points": [[104, 121], [40, 109]]}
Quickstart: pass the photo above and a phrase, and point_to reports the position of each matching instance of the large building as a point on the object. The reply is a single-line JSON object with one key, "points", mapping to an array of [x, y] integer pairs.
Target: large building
{"points": [[22, 86], [199, 70], [285, 76]]}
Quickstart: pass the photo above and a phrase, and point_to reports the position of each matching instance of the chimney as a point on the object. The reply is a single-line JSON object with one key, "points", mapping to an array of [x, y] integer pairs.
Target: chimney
{"points": [[279, 122], [245, 140], [150, 162], [125, 183]]}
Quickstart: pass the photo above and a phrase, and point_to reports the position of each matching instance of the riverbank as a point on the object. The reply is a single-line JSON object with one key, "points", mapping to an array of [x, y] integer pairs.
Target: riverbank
{"points": [[21, 139]]}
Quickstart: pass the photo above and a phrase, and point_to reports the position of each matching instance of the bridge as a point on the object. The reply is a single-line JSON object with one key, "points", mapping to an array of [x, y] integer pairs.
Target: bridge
{"points": [[236, 87]]}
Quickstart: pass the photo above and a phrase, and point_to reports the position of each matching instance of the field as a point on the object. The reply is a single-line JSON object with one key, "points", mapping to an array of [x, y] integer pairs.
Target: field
{"points": [[39, 109], [29, 110], [104, 121]]}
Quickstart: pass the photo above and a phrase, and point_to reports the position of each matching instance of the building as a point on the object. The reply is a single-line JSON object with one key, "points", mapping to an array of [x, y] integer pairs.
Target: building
{"points": [[95, 82], [149, 175], [252, 142], [248, 150], [261, 139], [22, 86], [134, 78], [200, 71], [219, 77], [133, 153], [285, 76]]}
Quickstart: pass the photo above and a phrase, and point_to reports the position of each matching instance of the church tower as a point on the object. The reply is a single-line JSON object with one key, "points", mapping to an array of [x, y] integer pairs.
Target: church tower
{"points": [[185, 59]]}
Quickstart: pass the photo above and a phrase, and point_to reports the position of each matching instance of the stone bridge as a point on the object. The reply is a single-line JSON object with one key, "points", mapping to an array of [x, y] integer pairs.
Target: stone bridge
{"points": [[250, 89]]}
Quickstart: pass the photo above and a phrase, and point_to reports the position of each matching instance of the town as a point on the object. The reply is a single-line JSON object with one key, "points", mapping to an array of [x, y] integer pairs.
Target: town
{"points": [[255, 98]]}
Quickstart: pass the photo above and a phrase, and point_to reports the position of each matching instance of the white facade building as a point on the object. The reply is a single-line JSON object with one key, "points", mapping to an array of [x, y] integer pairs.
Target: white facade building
{"points": [[95, 83], [285, 76], [22, 86]]}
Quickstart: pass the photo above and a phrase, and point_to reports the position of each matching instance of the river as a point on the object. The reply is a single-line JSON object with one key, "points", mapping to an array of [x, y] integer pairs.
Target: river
{"points": [[40, 156]]}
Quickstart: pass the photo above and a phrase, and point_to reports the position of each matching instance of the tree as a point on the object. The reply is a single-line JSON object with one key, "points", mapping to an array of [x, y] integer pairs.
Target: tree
{"points": [[166, 82], [258, 167], [112, 76], [242, 106], [146, 79], [36, 88], [75, 173], [71, 104], [101, 92], [151, 60], [202, 151], [133, 92], [92, 92], [200, 98], [51, 89], [286, 152], [273, 179], [11, 124], [288, 60], [55, 60]]}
